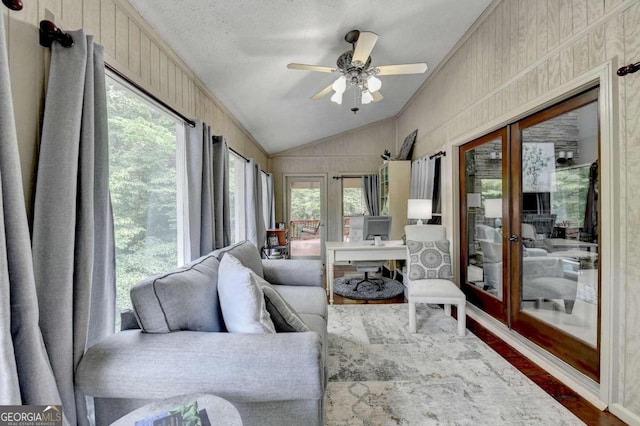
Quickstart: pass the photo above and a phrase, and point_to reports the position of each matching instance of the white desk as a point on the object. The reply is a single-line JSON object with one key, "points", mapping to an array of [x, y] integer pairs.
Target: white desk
{"points": [[339, 251]]}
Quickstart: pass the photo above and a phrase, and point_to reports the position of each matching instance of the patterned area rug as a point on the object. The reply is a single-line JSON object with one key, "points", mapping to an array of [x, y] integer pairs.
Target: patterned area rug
{"points": [[380, 374], [367, 291]]}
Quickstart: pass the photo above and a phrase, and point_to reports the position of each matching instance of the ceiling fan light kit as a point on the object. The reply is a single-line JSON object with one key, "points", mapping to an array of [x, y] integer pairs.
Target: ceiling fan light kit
{"points": [[356, 71]]}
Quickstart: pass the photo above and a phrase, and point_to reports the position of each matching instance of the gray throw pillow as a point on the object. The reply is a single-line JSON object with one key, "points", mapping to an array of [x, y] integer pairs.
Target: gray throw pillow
{"points": [[429, 260], [185, 298], [284, 317], [241, 298], [246, 252]]}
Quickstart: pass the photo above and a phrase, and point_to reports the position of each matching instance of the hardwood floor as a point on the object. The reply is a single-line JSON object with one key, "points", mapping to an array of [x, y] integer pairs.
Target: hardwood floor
{"points": [[579, 406]]}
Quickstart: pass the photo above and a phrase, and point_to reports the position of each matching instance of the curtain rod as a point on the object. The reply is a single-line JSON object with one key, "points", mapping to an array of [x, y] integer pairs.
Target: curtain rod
{"points": [[438, 154], [187, 120], [246, 159], [13, 4], [348, 177], [628, 69]]}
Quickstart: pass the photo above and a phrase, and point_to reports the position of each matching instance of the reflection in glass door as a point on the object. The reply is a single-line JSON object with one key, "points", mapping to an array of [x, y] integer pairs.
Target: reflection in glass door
{"points": [[481, 177], [530, 246], [306, 213]]}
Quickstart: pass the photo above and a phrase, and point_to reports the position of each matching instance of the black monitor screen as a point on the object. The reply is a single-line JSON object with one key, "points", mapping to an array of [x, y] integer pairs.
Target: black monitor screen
{"points": [[376, 226]]}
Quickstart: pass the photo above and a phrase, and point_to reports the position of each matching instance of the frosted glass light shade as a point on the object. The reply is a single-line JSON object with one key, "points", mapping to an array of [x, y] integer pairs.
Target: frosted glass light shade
{"points": [[374, 84], [340, 85], [337, 98], [493, 208], [419, 209], [366, 97]]}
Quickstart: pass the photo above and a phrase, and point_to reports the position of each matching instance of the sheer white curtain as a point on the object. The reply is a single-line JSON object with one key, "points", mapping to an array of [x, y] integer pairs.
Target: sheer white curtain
{"points": [[26, 376], [422, 176], [73, 240]]}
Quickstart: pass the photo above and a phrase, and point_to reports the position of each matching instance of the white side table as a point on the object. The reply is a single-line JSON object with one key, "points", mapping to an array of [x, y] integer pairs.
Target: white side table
{"points": [[219, 410]]}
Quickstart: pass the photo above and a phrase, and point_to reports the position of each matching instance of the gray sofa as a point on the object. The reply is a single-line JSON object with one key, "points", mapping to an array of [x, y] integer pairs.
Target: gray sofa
{"points": [[272, 379]]}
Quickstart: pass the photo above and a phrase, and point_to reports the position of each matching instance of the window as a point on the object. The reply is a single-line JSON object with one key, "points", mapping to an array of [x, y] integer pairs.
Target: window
{"points": [[144, 142], [352, 203], [237, 165]]}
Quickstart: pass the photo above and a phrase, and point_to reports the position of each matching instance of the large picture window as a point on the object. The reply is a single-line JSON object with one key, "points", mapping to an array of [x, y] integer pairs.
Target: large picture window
{"points": [[143, 179]]}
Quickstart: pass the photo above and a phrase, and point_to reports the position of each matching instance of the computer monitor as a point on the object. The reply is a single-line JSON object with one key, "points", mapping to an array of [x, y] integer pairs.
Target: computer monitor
{"points": [[376, 226]]}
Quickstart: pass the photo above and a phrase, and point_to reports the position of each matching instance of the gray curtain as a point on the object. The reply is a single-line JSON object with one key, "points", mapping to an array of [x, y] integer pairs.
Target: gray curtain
{"points": [[73, 241], [26, 376], [371, 192], [255, 227], [270, 218], [199, 191], [221, 206]]}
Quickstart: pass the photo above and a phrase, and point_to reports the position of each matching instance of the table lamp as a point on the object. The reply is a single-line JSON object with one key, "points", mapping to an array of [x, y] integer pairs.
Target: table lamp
{"points": [[493, 210], [419, 209]]}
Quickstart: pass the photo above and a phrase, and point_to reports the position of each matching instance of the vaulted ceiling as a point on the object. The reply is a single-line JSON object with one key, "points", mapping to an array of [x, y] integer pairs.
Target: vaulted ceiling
{"points": [[240, 49]]}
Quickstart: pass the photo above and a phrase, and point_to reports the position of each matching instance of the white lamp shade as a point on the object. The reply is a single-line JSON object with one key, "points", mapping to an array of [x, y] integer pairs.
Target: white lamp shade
{"points": [[474, 200], [419, 209], [493, 208], [340, 85], [366, 97], [374, 84], [337, 98]]}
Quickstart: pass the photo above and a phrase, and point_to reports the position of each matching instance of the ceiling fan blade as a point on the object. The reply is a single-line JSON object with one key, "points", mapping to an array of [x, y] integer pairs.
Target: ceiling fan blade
{"points": [[323, 92], [418, 68], [305, 67], [377, 96], [366, 41]]}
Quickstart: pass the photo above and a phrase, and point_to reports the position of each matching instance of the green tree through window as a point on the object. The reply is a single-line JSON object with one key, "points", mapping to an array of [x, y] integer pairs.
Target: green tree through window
{"points": [[142, 180]]}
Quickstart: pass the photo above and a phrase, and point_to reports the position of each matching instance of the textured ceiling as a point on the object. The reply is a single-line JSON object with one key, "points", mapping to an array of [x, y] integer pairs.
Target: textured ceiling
{"points": [[240, 49]]}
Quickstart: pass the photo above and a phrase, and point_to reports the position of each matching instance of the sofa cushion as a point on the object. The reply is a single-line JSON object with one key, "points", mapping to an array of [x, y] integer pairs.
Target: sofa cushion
{"points": [[241, 298], [429, 259], [305, 300], [284, 317], [246, 253], [185, 298]]}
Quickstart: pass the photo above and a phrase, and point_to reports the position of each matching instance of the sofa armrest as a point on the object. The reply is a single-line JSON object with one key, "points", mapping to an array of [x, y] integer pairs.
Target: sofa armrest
{"points": [[293, 272], [238, 367]]}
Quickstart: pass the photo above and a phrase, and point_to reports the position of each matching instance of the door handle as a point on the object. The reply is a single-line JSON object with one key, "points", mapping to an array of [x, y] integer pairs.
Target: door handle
{"points": [[513, 238]]}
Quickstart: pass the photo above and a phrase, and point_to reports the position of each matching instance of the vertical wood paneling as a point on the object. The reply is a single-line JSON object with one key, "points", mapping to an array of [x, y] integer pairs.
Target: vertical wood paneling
{"points": [[162, 69], [53, 6], [497, 64], [610, 4], [71, 14], [596, 47], [522, 34], [566, 64], [185, 92], [154, 64], [171, 81], [579, 9], [581, 56], [506, 40], [134, 48], [553, 23], [91, 18], [530, 33], [595, 9], [108, 27], [145, 58], [543, 78], [566, 19], [632, 164], [122, 37], [542, 28]]}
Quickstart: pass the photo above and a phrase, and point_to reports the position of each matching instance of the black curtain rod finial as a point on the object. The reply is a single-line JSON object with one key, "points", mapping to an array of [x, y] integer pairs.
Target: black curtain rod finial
{"points": [[13, 4], [438, 154], [49, 33], [628, 69]]}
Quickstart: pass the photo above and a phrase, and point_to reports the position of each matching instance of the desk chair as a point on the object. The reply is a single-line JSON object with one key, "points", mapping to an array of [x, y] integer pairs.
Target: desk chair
{"points": [[430, 290], [366, 267]]}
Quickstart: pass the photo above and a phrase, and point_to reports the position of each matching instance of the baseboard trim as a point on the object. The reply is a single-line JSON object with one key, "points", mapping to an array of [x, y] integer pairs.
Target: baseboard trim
{"points": [[624, 414], [582, 385]]}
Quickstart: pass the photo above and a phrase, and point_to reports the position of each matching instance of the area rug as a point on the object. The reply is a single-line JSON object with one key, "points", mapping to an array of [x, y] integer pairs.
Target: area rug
{"points": [[367, 291], [380, 374]]}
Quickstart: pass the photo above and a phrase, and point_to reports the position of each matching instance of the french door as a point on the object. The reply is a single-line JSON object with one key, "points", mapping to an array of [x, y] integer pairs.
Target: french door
{"points": [[306, 215], [530, 246]]}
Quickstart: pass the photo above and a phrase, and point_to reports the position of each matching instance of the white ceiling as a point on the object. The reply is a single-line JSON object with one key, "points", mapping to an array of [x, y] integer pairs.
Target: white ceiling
{"points": [[240, 49]]}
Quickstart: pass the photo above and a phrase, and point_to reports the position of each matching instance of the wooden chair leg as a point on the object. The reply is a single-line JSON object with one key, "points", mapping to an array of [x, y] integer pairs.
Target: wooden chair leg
{"points": [[412, 317]]}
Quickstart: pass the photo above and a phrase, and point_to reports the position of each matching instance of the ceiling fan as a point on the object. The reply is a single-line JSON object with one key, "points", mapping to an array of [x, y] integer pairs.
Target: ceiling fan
{"points": [[355, 69]]}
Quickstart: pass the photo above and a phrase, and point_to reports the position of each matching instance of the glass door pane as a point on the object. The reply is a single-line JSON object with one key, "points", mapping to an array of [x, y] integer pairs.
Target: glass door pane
{"points": [[482, 189], [557, 250], [305, 207]]}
